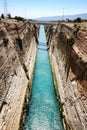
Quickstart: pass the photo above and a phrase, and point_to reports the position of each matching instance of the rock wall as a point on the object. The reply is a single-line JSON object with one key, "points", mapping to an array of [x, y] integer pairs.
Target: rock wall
{"points": [[69, 66], [16, 70]]}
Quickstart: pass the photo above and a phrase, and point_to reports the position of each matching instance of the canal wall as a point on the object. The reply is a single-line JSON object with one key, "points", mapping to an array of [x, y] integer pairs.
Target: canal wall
{"points": [[18, 49], [69, 67]]}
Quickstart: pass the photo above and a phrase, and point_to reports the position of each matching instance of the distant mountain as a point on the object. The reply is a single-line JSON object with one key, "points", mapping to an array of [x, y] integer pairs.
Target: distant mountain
{"points": [[54, 18]]}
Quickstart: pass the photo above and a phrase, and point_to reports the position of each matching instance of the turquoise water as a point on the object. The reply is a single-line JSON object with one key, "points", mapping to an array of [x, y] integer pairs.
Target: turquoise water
{"points": [[43, 111]]}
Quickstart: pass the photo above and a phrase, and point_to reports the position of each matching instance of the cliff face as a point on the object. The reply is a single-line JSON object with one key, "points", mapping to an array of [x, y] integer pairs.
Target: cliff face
{"points": [[17, 58], [69, 66]]}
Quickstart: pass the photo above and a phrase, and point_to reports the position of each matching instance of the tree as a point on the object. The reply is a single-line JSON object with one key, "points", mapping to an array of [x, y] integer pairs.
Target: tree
{"points": [[78, 20], [19, 18], [2, 16], [9, 16]]}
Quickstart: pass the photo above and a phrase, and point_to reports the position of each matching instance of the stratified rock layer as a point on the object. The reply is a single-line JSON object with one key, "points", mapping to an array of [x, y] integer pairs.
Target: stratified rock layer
{"points": [[17, 59], [69, 66]]}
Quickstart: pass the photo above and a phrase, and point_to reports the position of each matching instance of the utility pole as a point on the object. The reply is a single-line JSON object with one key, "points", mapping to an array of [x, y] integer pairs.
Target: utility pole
{"points": [[63, 14], [5, 8], [25, 13]]}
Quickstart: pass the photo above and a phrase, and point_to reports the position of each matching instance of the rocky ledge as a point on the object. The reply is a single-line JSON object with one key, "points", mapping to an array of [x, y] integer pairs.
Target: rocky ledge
{"points": [[68, 56], [18, 46]]}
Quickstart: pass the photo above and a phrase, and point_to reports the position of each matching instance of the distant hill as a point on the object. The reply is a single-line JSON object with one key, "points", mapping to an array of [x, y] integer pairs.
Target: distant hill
{"points": [[54, 18]]}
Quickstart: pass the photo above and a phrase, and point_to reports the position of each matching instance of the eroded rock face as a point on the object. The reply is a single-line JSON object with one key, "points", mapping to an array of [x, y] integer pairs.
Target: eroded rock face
{"points": [[16, 71], [69, 66]]}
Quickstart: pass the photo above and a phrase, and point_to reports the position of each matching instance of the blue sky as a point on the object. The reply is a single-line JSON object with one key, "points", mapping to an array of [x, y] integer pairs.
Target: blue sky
{"points": [[40, 8]]}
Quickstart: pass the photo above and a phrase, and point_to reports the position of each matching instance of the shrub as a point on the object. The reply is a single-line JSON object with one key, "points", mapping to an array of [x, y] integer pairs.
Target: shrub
{"points": [[5, 41], [9, 16], [19, 42], [78, 20], [63, 37], [66, 40], [18, 18], [77, 27], [2, 16], [70, 41], [62, 34]]}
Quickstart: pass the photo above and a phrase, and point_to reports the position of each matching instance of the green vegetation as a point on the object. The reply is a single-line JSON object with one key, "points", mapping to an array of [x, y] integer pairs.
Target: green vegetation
{"points": [[18, 18], [62, 34], [77, 28], [5, 41], [70, 41], [19, 42], [2, 16], [78, 20], [63, 37], [9, 16]]}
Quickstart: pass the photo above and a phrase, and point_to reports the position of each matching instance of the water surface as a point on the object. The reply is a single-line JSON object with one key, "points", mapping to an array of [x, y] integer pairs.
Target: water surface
{"points": [[43, 111]]}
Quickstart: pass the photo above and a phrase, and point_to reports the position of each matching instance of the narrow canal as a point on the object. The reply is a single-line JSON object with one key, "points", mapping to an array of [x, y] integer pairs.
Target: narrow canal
{"points": [[43, 111]]}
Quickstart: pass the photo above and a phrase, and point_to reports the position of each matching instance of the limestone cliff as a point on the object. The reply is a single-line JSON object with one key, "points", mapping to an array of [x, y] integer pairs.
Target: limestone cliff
{"points": [[17, 58], [68, 56]]}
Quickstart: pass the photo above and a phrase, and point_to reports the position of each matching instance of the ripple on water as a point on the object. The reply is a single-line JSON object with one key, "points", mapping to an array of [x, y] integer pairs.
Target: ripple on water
{"points": [[43, 111]]}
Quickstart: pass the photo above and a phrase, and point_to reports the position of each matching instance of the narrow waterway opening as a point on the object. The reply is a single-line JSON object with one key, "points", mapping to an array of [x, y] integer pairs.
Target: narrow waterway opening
{"points": [[43, 111]]}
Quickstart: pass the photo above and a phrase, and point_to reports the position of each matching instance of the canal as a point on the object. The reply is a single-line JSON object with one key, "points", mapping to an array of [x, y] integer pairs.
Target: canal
{"points": [[43, 110]]}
